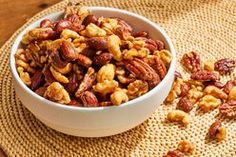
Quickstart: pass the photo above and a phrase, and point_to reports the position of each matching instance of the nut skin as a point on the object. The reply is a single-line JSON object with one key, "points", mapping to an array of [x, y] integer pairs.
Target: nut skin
{"points": [[68, 51], [89, 99], [224, 66], [90, 19], [191, 61], [36, 80], [204, 75], [102, 59], [143, 71], [174, 153], [228, 109], [184, 104], [98, 43]]}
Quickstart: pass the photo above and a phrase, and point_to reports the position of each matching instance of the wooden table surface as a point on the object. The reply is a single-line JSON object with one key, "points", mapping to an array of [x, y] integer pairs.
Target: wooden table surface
{"points": [[14, 14]]}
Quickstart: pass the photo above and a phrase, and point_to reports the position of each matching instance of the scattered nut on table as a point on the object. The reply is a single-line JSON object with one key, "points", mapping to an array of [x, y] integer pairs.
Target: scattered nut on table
{"points": [[216, 131], [179, 116], [186, 147]]}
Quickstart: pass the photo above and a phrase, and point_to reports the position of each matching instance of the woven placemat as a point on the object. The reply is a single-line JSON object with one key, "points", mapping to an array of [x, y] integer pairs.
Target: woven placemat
{"points": [[204, 26]]}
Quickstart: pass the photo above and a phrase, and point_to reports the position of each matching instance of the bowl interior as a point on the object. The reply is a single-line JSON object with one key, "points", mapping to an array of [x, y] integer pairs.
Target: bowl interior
{"points": [[138, 22]]}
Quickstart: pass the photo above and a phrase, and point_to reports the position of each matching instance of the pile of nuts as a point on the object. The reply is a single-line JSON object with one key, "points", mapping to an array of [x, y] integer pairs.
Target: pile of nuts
{"points": [[204, 90], [89, 61]]}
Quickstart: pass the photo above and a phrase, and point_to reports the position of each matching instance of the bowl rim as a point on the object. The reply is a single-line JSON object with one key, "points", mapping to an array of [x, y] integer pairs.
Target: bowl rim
{"points": [[67, 107]]}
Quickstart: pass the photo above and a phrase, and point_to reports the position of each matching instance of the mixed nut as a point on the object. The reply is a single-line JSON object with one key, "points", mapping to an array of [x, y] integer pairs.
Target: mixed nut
{"points": [[89, 61], [204, 90]]}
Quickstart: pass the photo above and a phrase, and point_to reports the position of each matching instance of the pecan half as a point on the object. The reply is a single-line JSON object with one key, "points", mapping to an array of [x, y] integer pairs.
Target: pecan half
{"points": [[140, 34], [48, 75], [102, 59], [83, 60], [87, 82], [98, 43], [228, 109], [76, 22], [174, 153], [214, 129], [57, 59], [224, 66], [90, 19], [191, 61], [228, 86], [142, 70], [68, 51], [204, 75], [124, 30], [185, 104], [89, 99], [41, 90], [184, 88], [218, 84], [36, 80], [158, 65]]}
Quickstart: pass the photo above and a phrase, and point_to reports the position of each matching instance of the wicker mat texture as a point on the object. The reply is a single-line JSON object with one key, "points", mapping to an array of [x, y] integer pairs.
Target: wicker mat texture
{"points": [[208, 27]]}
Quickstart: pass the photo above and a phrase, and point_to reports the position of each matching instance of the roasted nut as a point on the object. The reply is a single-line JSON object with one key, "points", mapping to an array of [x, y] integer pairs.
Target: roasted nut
{"points": [[106, 72], [119, 97], [174, 153], [108, 24], [191, 61], [137, 88], [232, 93], [218, 84], [98, 43], [90, 19], [25, 77], [228, 86], [48, 75], [178, 116], [224, 66], [157, 64], [36, 80], [186, 147], [228, 109], [41, 90], [123, 30], [216, 92], [83, 60], [130, 54], [46, 23], [204, 75], [56, 59], [177, 75], [75, 102], [58, 76], [38, 34], [175, 91], [171, 97], [56, 92], [209, 65], [208, 102], [216, 131], [62, 24], [87, 82], [92, 30], [125, 79], [151, 44], [184, 88], [67, 33], [185, 105], [64, 70], [140, 34], [195, 93], [89, 99], [164, 55], [102, 59], [73, 84], [143, 71], [68, 51], [106, 87], [114, 43]]}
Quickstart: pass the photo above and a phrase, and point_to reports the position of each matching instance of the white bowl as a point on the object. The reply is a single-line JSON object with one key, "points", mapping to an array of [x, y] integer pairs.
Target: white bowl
{"points": [[99, 121]]}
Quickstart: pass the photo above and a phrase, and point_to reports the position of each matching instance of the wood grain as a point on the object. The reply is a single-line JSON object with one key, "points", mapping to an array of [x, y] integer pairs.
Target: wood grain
{"points": [[14, 14]]}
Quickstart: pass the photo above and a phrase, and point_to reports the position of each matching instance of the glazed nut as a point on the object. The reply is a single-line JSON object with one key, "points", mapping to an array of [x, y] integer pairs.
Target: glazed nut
{"points": [[90, 19], [137, 88], [36, 80], [106, 72], [89, 99], [232, 93], [92, 30], [106, 87], [64, 70], [67, 33], [184, 88], [130, 54], [204, 75], [191, 61], [216, 131], [179, 116], [186, 147], [174, 153], [58, 76], [185, 105], [228, 109], [123, 30], [209, 65], [224, 66], [171, 97], [164, 55], [216, 92], [98, 43], [108, 24], [195, 93], [208, 102], [102, 59], [119, 97], [114, 43], [68, 51], [228, 86], [25, 77], [46, 23], [84, 60]]}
